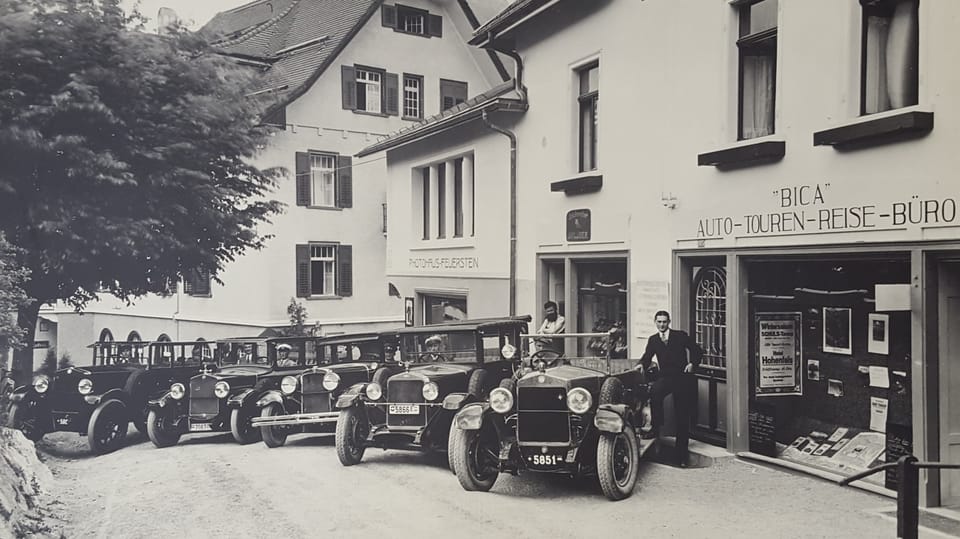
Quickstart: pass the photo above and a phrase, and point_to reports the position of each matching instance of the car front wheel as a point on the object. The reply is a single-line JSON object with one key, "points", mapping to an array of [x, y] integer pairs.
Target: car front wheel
{"points": [[108, 427], [618, 458], [351, 433], [272, 436], [243, 431], [22, 416], [475, 457], [161, 429]]}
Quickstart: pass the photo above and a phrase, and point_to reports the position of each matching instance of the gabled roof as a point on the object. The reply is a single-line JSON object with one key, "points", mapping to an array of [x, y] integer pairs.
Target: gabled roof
{"points": [[502, 97], [292, 41], [514, 14]]}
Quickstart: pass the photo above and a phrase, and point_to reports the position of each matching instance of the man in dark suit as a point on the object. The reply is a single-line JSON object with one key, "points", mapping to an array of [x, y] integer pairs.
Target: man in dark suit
{"points": [[677, 355]]}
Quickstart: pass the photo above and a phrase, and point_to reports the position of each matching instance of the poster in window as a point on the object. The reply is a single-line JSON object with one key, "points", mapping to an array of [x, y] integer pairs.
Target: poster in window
{"points": [[778, 361], [407, 312], [837, 336], [878, 333]]}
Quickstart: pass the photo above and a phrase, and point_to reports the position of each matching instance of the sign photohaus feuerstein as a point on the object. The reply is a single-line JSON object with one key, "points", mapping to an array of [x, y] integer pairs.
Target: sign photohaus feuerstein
{"points": [[578, 225], [778, 368]]}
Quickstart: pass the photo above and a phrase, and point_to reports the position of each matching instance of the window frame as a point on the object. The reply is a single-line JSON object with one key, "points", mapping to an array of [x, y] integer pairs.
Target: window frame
{"points": [[406, 11], [589, 98], [403, 96], [462, 227], [333, 180], [877, 8], [332, 260], [748, 44], [381, 85], [450, 83]]}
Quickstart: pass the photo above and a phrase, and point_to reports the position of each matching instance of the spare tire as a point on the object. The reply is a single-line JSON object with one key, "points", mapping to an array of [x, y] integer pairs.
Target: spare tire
{"points": [[611, 392]]}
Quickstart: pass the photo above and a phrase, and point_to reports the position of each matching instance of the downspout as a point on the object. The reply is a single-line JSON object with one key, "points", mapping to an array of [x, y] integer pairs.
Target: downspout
{"points": [[513, 209]]}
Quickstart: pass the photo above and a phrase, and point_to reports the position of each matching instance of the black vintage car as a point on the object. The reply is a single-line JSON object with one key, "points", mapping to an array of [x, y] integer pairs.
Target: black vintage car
{"points": [[445, 367], [100, 400], [305, 402], [573, 417], [222, 398]]}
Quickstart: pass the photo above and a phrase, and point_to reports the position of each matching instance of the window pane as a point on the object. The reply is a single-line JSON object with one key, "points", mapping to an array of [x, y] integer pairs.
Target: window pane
{"points": [[441, 201], [756, 106], [411, 97], [458, 199], [323, 169], [890, 56], [588, 134], [425, 182], [589, 80], [763, 16]]}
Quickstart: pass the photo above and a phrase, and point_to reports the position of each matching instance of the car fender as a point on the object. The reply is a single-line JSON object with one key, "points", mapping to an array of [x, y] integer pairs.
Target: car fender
{"points": [[456, 401], [240, 399], [23, 393], [470, 417], [160, 402], [115, 393], [352, 396], [610, 418], [270, 397]]}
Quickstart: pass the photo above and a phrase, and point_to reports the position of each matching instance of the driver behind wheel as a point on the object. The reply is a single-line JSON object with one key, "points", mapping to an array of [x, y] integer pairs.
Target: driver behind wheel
{"points": [[433, 346], [283, 359]]}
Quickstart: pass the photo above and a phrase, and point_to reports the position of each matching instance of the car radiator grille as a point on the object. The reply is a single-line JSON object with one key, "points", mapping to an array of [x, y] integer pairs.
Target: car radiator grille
{"points": [[318, 402], [404, 391], [202, 399], [542, 399], [543, 427]]}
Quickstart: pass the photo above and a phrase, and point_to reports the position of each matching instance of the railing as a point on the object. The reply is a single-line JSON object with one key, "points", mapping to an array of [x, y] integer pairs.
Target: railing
{"points": [[908, 490]]}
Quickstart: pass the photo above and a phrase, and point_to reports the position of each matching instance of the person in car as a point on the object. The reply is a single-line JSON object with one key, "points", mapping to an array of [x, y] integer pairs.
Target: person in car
{"points": [[283, 359], [433, 346], [678, 355]]}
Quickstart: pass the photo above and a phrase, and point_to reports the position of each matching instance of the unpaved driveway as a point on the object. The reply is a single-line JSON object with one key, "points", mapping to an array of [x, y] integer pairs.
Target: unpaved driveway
{"points": [[209, 487]]}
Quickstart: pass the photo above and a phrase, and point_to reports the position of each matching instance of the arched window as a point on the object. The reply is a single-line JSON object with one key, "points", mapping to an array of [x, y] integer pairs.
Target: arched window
{"points": [[134, 337], [106, 336], [163, 338], [201, 351], [710, 315]]}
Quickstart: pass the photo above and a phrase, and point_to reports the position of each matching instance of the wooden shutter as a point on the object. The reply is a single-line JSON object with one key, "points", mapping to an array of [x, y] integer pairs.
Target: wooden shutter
{"points": [[391, 91], [344, 270], [435, 25], [388, 16], [303, 271], [201, 286], [344, 181], [348, 81], [303, 179]]}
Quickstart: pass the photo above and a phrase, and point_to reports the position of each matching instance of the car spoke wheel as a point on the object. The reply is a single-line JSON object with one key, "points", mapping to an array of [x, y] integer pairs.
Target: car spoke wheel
{"points": [[475, 457], [23, 417], [617, 463], [273, 436], [108, 427], [162, 428], [243, 431], [351, 436]]}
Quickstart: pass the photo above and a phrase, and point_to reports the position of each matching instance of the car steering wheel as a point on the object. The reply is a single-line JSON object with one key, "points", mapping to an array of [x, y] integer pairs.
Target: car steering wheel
{"points": [[431, 357], [548, 358]]}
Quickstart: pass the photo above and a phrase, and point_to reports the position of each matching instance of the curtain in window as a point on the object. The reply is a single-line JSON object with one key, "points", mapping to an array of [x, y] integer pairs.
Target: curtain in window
{"points": [[875, 84], [758, 89], [890, 58]]}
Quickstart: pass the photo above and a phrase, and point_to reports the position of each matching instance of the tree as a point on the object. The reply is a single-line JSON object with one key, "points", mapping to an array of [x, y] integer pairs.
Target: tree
{"points": [[12, 296], [298, 320], [127, 157]]}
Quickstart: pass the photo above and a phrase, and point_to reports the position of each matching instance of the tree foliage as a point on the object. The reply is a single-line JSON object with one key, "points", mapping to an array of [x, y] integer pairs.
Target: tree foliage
{"points": [[12, 296], [298, 320], [127, 156]]}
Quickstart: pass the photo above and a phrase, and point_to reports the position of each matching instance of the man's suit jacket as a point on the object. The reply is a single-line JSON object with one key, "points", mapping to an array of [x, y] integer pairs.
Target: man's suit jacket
{"points": [[672, 355]]}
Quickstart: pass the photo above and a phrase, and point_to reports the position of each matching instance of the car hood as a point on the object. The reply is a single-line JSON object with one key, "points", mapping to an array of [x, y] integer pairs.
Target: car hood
{"points": [[566, 376], [241, 370], [435, 372]]}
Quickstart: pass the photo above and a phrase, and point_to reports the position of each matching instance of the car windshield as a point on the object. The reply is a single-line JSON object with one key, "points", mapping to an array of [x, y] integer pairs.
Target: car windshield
{"points": [[346, 352], [454, 346], [242, 353], [296, 352]]}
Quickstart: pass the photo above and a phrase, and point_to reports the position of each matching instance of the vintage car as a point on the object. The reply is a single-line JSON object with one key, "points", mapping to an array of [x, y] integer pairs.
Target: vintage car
{"points": [[304, 402], [444, 367], [222, 397], [102, 399], [574, 416]]}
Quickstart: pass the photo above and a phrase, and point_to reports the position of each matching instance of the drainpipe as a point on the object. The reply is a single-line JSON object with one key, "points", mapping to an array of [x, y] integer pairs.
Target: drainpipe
{"points": [[522, 91]]}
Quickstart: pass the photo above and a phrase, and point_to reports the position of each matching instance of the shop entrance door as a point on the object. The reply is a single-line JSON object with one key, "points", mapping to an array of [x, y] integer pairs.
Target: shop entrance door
{"points": [[709, 325], [949, 337]]}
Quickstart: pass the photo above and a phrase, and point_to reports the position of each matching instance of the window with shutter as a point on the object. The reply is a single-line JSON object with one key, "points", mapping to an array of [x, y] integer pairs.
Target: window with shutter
{"points": [[344, 181], [348, 81], [303, 178], [391, 90], [344, 270], [324, 270], [388, 16], [452, 93], [197, 283], [369, 89], [302, 278], [435, 23]]}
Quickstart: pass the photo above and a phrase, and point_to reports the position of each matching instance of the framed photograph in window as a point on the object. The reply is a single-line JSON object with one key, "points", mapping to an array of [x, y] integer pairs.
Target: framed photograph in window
{"points": [[408, 312], [837, 331], [878, 333]]}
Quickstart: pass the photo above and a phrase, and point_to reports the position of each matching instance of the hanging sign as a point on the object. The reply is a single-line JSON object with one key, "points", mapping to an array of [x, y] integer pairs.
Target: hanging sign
{"points": [[778, 369], [578, 225]]}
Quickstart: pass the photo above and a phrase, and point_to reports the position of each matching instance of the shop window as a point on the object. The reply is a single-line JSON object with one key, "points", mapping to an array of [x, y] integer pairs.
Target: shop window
{"points": [[324, 180], [890, 55], [370, 90], [452, 93], [444, 195], [710, 316], [439, 309], [588, 102], [324, 270], [757, 45], [412, 96], [602, 300]]}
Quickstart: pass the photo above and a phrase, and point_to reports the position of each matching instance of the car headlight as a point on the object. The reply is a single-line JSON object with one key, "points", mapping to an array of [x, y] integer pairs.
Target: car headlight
{"points": [[373, 366], [430, 391], [288, 385], [41, 384], [85, 386], [177, 391], [501, 400], [374, 391], [221, 390], [579, 400], [330, 381], [508, 351]]}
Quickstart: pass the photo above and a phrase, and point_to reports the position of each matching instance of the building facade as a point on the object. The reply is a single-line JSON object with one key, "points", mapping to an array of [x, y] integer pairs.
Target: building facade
{"points": [[341, 73], [769, 171]]}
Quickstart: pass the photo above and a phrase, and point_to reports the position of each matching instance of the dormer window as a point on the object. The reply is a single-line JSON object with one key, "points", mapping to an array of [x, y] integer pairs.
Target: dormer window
{"points": [[411, 20]]}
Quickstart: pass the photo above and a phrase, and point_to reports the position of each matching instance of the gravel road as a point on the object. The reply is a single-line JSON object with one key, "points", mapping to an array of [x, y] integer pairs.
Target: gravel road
{"points": [[207, 486]]}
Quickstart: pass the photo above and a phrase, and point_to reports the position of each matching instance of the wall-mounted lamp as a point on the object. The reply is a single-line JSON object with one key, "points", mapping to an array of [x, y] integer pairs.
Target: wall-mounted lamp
{"points": [[669, 201]]}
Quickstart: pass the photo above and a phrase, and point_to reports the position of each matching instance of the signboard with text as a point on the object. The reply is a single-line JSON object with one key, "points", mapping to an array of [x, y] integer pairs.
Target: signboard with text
{"points": [[779, 351], [578, 225]]}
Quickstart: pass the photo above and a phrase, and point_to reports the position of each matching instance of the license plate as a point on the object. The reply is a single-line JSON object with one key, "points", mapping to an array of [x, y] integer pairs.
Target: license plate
{"points": [[200, 427], [64, 421], [546, 460], [405, 409]]}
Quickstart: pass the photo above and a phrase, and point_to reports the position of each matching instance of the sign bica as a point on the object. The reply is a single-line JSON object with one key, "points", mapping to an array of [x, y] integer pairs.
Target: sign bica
{"points": [[805, 209]]}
